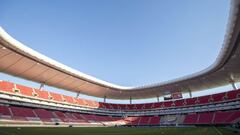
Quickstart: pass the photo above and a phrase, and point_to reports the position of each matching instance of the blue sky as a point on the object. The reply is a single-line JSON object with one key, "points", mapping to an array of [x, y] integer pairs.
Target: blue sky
{"points": [[126, 42]]}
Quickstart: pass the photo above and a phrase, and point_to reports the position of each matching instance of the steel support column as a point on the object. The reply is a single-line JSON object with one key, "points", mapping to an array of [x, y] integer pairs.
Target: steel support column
{"points": [[41, 86]]}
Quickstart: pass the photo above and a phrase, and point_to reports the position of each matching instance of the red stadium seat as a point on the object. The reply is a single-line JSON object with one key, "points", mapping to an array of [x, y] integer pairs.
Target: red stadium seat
{"points": [[68, 99], [155, 120], [205, 118], [44, 115], [148, 106], [89, 117], [4, 110], [102, 105], [139, 106], [218, 97], [234, 117], [79, 118], [26, 91], [95, 104], [121, 106], [191, 101], [131, 107], [144, 120], [233, 94], [168, 104], [221, 117], [191, 118], [115, 106], [126, 107], [179, 103], [88, 103], [71, 118], [157, 105], [135, 121], [107, 106], [42, 94], [22, 113], [6, 86], [204, 99], [100, 118], [56, 97], [129, 120], [61, 116], [80, 102]]}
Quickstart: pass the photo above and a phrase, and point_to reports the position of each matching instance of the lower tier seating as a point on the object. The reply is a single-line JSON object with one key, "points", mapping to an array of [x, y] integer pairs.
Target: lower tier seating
{"points": [[22, 113], [42, 115], [224, 117]]}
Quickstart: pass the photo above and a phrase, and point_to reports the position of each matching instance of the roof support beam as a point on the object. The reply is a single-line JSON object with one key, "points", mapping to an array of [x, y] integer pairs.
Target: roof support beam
{"points": [[77, 94], [232, 81], [130, 100], [158, 98], [104, 99], [190, 93], [234, 86], [41, 86]]}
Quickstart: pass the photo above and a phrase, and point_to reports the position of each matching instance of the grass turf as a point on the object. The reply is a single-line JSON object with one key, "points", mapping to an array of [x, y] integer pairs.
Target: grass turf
{"points": [[115, 131]]}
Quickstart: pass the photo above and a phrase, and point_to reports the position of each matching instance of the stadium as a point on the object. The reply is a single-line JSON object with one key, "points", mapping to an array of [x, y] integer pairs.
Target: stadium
{"points": [[28, 110]]}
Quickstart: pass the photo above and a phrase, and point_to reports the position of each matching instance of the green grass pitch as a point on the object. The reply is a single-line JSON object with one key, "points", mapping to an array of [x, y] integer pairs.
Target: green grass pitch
{"points": [[115, 131]]}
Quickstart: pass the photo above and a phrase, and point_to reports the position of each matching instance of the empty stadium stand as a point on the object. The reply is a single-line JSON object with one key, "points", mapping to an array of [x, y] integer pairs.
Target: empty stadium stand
{"points": [[11, 88], [107, 113], [43, 115]]}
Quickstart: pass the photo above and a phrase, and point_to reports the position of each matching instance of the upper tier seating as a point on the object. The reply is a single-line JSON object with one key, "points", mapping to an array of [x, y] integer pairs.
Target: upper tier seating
{"points": [[115, 106], [233, 94], [191, 101], [7, 86], [168, 104], [179, 103], [27, 91], [149, 106], [41, 94], [204, 99], [11, 88], [56, 97], [90, 103], [80, 101], [68, 99], [218, 97]]}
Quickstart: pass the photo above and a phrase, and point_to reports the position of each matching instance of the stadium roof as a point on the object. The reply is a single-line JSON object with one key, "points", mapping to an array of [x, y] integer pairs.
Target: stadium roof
{"points": [[19, 60]]}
